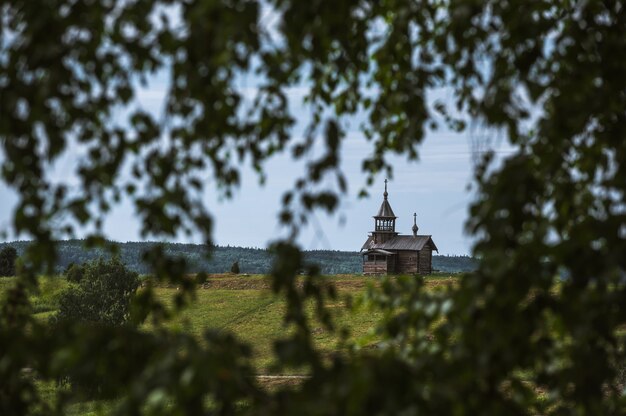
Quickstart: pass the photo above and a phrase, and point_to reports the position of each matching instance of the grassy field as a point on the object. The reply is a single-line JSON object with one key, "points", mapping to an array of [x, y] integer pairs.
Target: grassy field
{"points": [[245, 306]]}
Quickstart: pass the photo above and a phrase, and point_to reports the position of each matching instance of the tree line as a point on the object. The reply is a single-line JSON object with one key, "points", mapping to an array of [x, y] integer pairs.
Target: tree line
{"points": [[220, 259]]}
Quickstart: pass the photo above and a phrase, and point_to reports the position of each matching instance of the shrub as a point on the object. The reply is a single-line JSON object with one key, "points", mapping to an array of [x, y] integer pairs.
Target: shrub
{"points": [[8, 256], [201, 277], [51, 289], [68, 267], [235, 268], [75, 273], [103, 294]]}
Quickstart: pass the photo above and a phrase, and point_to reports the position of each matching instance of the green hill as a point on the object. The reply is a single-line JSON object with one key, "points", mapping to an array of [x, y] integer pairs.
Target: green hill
{"points": [[219, 259]]}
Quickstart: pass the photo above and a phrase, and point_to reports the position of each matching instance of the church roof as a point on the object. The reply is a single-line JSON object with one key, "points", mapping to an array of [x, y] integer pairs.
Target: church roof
{"points": [[401, 242], [380, 251], [385, 210]]}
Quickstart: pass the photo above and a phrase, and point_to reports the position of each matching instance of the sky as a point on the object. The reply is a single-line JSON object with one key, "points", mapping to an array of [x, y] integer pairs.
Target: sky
{"points": [[435, 187]]}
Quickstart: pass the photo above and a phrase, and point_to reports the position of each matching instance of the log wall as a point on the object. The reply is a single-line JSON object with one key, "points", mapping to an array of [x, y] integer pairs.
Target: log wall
{"points": [[407, 262], [404, 262], [376, 267], [425, 260]]}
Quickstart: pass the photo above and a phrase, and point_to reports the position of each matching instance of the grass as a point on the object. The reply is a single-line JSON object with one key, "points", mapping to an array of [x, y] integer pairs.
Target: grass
{"points": [[246, 307], [76, 407], [242, 305]]}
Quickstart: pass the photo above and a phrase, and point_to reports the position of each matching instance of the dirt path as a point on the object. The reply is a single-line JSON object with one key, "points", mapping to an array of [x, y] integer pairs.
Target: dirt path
{"points": [[277, 381], [255, 283], [241, 283]]}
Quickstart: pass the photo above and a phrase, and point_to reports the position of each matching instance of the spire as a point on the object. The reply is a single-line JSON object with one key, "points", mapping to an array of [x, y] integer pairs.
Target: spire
{"points": [[385, 194], [414, 224], [385, 209]]}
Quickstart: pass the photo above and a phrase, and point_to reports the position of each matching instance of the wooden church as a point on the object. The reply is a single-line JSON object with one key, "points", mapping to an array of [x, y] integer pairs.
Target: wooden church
{"points": [[388, 252]]}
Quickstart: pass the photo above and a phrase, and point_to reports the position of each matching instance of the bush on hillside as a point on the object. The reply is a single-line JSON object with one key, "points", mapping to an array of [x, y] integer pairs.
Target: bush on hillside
{"points": [[68, 267], [201, 277], [8, 256], [102, 296], [235, 268], [75, 273], [103, 293]]}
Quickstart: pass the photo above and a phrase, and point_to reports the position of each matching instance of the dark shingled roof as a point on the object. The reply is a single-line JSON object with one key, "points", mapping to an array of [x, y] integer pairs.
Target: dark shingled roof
{"points": [[385, 210], [401, 242], [380, 251]]}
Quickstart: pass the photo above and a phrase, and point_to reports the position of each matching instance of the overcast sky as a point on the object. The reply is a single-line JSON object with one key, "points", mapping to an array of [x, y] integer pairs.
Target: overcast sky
{"points": [[435, 187]]}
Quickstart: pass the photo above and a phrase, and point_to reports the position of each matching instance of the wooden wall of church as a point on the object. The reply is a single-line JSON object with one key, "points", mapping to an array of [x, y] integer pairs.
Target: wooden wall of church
{"points": [[404, 262], [426, 260], [374, 267], [407, 262]]}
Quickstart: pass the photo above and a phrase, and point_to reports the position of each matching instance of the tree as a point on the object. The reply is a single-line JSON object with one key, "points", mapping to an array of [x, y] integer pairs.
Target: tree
{"points": [[75, 272], [513, 337], [102, 297], [235, 267], [103, 294], [8, 256]]}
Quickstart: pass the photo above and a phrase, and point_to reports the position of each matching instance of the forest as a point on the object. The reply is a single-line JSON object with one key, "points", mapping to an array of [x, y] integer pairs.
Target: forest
{"points": [[221, 258]]}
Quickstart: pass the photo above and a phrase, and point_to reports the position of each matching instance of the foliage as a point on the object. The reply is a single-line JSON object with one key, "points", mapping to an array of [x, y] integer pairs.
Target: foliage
{"points": [[103, 294], [75, 273], [68, 267], [235, 267], [8, 257], [201, 277], [219, 259], [46, 301], [510, 338]]}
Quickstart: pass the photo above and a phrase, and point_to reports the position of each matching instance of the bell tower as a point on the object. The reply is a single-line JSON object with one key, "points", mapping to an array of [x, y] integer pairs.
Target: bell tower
{"points": [[384, 221]]}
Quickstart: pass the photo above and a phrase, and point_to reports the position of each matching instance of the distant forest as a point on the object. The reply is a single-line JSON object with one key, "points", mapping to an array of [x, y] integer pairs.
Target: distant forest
{"points": [[251, 260]]}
